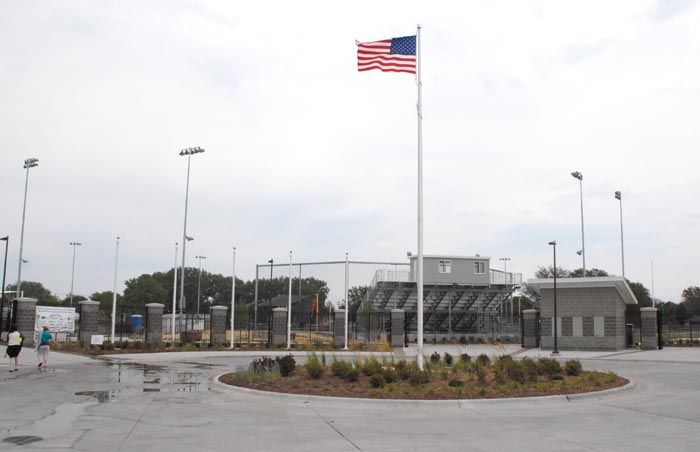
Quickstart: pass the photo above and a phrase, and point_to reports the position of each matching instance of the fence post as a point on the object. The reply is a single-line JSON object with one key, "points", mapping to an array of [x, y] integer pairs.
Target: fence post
{"points": [[339, 328], [529, 331], [24, 316], [279, 326], [89, 311], [649, 329], [398, 320]]}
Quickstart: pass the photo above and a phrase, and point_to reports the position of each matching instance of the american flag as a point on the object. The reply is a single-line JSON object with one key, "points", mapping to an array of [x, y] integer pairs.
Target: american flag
{"points": [[388, 55]]}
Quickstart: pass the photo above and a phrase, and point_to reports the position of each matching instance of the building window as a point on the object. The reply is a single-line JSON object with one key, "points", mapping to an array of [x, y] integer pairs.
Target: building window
{"points": [[479, 267], [445, 267]]}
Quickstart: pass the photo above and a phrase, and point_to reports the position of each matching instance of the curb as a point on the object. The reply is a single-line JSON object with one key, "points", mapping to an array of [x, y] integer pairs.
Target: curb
{"points": [[460, 403]]}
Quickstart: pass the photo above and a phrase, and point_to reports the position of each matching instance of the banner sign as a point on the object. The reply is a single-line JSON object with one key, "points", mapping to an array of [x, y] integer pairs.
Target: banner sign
{"points": [[59, 320]]}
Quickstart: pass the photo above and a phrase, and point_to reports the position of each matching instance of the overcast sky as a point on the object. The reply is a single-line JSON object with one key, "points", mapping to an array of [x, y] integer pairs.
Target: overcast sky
{"points": [[304, 153]]}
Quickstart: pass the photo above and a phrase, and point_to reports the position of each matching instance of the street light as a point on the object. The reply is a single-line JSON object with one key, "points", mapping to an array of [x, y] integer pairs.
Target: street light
{"points": [[269, 305], [579, 176], [72, 274], [5, 239], [182, 299], [618, 196], [29, 163], [189, 152], [554, 248], [172, 326], [233, 299], [199, 282], [505, 277]]}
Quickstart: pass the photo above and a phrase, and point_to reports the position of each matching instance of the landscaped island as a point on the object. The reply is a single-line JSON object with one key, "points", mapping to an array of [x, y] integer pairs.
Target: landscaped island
{"points": [[444, 377]]}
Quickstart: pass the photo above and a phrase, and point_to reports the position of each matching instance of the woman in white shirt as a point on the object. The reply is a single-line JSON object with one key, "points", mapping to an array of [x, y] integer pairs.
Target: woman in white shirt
{"points": [[14, 346]]}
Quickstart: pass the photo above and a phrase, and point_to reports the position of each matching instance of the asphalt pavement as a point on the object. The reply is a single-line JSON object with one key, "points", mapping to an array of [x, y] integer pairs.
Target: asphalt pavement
{"points": [[171, 401]]}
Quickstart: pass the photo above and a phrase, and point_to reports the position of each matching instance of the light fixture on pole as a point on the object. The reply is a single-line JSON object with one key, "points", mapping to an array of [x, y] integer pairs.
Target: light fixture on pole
{"points": [[189, 152], [29, 163], [554, 251], [269, 305], [233, 299], [172, 326], [5, 239], [579, 176], [618, 196], [114, 288], [199, 281], [72, 274]]}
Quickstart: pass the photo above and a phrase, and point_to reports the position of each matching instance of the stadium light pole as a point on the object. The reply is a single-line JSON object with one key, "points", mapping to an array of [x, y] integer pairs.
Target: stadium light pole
{"points": [[189, 152], [579, 176], [29, 163], [199, 281], [172, 327], [289, 305], [553, 243], [505, 271], [72, 273], [114, 288], [5, 239], [269, 306], [618, 196], [233, 299], [347, 299]]}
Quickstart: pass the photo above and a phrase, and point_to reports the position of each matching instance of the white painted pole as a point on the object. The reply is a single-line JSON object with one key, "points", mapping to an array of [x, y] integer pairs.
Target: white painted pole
{"points": [[114, 290], [419, 260], [172, 327], [653, 298], [289, 306], [233, 298], [347, 299]]}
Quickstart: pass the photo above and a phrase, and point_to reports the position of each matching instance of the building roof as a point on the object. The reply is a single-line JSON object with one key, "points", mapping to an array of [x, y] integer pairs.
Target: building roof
{"points": [[439, 256], [618, 282]]}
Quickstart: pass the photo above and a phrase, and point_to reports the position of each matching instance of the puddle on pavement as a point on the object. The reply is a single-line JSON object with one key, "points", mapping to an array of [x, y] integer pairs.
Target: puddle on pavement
{"points": [[201, 365]]}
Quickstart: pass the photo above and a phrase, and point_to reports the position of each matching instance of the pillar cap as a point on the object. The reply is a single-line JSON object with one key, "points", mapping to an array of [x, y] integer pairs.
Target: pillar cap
{"points": [[648, 309], [155, 305], [397, 310], [529, 311], [279, 309], [25, 299], [218, 308], [341, 311], [89, 302]]}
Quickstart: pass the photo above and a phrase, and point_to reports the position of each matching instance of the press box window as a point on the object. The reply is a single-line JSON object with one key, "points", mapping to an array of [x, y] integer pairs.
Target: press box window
{"points": [[479, 268], [445, 267]]}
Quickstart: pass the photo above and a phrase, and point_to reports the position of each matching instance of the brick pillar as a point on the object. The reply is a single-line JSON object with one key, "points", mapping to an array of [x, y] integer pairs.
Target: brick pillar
{"points": [[217, 328], [530, 329], [24, 317], [89, 321], [279, 326], [154, 323], [649, 331], [339, 328], [398, 324]]}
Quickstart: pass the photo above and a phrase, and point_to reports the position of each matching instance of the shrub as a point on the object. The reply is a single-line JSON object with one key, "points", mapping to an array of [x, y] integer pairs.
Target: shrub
{"points": [[548, 366], [377, 380], [390, 375], [371, 367], [448, 359], [138, 345], [314, 367], [463, 340], [573, 368], [456, 383], [444, 374], [593, 378], [435, 358], [419, 377], [339, 368], [610, 377], [483, 360], [263, 364], [287, 365], [480, 372], [352, 374], [107, 345], [465, 358], [529, 369], [403, 369]]}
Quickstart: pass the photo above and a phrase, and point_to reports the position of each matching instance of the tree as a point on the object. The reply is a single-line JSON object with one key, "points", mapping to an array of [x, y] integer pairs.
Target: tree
{"points": [[105, 299], [356, 296], [143, 290], [641, 293], [548, 272], [691, 299], [76, 299], [590, 273], [36, 290]]}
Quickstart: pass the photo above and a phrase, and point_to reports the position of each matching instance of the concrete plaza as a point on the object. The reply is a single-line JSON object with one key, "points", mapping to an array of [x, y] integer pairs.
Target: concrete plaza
{"points": [[169, 402]]}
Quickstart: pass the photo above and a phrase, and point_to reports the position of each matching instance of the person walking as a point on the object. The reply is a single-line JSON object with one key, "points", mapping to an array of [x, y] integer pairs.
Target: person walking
{"points": [[44, 346], [14, 346]]}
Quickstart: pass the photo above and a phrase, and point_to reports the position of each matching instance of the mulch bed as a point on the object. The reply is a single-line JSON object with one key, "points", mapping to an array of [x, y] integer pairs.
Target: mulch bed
{"points": [[436, 389]]}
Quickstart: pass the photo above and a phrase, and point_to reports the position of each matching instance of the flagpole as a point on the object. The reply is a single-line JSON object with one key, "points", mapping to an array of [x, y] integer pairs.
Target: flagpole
{"points": [[419, 260]]}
